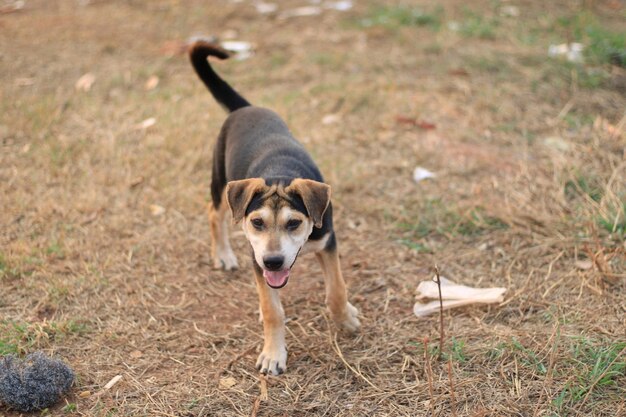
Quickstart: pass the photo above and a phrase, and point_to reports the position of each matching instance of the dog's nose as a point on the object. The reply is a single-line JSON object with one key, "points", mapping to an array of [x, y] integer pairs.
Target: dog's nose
{"points": [[273, 263]]}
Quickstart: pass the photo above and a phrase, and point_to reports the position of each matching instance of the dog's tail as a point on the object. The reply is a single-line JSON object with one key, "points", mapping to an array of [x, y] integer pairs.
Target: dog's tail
{"points": [[223, 93]]}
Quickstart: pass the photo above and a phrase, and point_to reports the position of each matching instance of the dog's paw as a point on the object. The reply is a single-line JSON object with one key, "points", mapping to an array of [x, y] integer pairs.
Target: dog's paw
{"points": [[225, 260], [348, 319], [272, 361]]}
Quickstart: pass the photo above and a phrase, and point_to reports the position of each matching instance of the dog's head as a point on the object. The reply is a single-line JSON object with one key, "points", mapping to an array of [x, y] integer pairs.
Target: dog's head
{"points": [[277, 220]]}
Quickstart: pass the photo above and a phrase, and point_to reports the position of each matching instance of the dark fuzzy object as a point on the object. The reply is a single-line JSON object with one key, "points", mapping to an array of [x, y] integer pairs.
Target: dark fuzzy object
{"points": [[33, 383]]}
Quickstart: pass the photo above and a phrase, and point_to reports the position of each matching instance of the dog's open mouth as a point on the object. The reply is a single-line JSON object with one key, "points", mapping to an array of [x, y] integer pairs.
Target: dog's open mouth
{"points": [[276, 279]]}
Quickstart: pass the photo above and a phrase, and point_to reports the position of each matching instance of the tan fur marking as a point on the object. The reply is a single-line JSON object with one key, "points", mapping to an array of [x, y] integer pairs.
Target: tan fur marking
{"points": [[341, 311], [239, 193], [221, 251], [315, 195]]}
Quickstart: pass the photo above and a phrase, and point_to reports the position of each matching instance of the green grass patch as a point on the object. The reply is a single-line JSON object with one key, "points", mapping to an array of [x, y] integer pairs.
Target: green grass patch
{"points": [[70, 408], [22, 337], [584, 185], [435, 218], [393, 17], [527, 357], [602, 45], [562, 74], [457, 350], [595, 366], [584, 364], [514, 348], [614, 221], [478, 26], [8, 270], [55, 249], [416, 246]]}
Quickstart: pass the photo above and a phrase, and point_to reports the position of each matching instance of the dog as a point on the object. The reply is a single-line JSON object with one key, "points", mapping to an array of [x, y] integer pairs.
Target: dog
{"points": [[263, 177]]}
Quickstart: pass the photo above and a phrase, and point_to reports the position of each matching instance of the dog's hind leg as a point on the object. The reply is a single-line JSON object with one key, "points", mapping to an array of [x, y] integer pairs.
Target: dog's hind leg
{"points": [[273, 358], [221, 251], [341, 311]]}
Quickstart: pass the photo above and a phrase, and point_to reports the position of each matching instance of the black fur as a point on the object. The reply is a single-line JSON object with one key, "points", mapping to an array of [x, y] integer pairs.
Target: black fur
{"points": [[254, 143], [223, 93]]}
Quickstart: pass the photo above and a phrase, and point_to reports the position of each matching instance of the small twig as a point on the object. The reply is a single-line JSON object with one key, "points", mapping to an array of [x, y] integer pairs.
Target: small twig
{"points": [[429, 374], [564, 111], [441, 334], [452, 398], [255, 407], [264, 393], [354, 371]]}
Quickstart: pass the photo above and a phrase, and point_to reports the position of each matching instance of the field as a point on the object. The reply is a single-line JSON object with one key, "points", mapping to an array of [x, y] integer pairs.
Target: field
{"points": [[106, 141]]}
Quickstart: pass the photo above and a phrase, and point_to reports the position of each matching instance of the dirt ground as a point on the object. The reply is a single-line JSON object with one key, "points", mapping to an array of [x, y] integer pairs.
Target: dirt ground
{"points": [[104, 241]]}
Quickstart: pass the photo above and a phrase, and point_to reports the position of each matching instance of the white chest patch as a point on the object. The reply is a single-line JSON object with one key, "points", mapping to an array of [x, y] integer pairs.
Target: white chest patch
{"points": [[315, 245]]}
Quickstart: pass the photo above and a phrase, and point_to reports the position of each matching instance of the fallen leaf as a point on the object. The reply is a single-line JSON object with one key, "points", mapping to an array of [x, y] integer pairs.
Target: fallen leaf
{"points": [[156, 210], [301, 11], [135, 182], [147, 123], [85, 82], [24, 81], [584, 264], [426, 125], [459, 72], [411, 121], [329, 119], [557, 143], [152, 82], [266, 8], [227, 382], [405, 120]]}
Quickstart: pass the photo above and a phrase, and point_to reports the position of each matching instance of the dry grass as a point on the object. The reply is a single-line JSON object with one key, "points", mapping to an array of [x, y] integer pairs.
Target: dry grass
{"points": [[530, 195]]}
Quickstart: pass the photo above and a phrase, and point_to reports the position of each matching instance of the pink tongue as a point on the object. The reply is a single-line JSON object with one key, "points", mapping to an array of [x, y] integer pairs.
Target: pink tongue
{"points": [[276, 278]]}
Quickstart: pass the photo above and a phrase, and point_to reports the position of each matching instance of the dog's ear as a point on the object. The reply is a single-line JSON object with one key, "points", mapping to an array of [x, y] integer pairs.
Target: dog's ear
{"points": [[315, 195], [240, 193]]}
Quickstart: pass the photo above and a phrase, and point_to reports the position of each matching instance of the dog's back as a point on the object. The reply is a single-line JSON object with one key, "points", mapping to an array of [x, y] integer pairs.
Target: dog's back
{"points": [[260, 145]]}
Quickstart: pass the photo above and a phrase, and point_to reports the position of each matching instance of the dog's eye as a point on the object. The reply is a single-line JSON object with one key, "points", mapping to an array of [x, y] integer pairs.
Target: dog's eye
{"points": [[293, 224], [257, 223]]}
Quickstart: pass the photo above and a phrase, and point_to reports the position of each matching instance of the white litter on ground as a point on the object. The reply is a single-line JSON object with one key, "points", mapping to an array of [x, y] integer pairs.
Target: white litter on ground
{"points": [[241, 49], [573, 52], [265, 8], [420, 174], [342, 6], [301, 11], [453, 295]]}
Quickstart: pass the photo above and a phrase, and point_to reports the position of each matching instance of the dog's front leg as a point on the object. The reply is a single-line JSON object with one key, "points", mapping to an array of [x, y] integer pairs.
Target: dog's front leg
{"points": [[341, 311], [273, 358], [221, 251]]}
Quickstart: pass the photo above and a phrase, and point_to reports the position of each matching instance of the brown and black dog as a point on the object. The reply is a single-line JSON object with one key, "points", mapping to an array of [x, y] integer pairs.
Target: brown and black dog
{"points": [[270, 183]]}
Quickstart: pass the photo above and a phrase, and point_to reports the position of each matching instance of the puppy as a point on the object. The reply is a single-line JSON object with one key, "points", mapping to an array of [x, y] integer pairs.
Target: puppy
{"points": [[271, 185]]}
